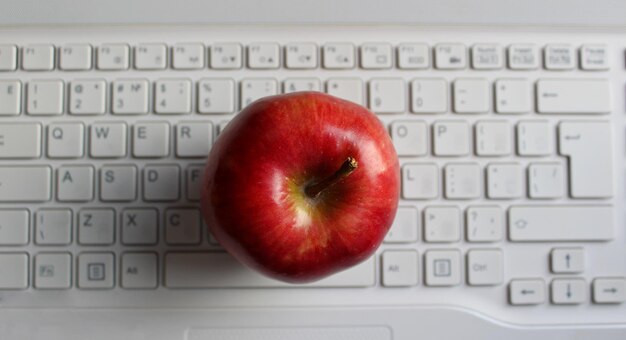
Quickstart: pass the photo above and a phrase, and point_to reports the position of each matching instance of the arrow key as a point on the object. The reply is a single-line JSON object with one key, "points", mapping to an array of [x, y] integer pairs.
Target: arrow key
{"points": [[609, 290], [568, 291], [527, 292], [567, 260]]}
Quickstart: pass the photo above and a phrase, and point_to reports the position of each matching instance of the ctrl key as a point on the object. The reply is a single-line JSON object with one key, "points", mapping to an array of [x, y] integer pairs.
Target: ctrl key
{"points": [[13, 271], [609, 290], [527, 292]]}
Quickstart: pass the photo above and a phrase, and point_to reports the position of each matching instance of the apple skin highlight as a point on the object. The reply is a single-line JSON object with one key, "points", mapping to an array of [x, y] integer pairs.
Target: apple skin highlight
{"points": [[253, 195]]}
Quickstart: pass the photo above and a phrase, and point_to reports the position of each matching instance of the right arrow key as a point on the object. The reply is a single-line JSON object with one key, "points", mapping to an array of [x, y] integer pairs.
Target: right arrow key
{"points": [[609, 290]]}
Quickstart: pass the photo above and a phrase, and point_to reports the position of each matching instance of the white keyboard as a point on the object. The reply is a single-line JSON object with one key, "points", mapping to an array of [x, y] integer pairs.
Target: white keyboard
{"points": [[511, 145]]}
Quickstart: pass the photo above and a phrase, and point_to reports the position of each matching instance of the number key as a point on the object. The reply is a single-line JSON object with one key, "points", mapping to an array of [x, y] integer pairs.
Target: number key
{"points": [[87, 97]]}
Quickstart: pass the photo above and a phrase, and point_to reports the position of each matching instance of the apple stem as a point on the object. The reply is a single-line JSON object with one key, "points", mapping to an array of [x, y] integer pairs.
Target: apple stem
{"points": [[314, 189]]}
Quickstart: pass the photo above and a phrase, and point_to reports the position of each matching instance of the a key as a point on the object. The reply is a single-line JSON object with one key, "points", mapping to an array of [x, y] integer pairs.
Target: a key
{"points": [[14, 270], [462, 180], [113, 57], [546, 180], [568, 291], [534, 138], [493, 138], [75, 57], [38, 57], [559, 57], [442, 224], [560, 223], [429, 96], [567, 260], [53, 227], [188, 56], [263, 56], [118, 183], [172, 96], [301, 84], [451, 138], [487, 57], [376, 56], [139, 270], [527, 292], [87, 97], [350, 89], [182, 226], [66, 140], [573, 96], [10, 97], [75, 183], [96, 226], [420, 181], [523, 57], [151, 139], [410, 138], [387, 95], [194, 182], [25, 183], [484, 267], [139, 226], [8, 57], [505, 181], [130, 96], [513, 96], [404, 227], [53, 271], [216, 96], [226, 56], [339, 56], [20, 140], [400, 268], [413, 56], [161, 183], [443, 267], [194, 139], [44, 97], [594, 57], [151, 57], [484, 224], [301, 56], [14, 227], [256, 88], [609, 290], [471, 95], [96, 270], [107, 140], [450, 56]]}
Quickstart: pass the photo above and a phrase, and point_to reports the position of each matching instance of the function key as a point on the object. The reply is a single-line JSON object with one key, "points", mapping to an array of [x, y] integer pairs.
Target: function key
{"points": [[264, 56], [376, 56], [75, 57], [487, 57], [450, 56], [594, 57], [523, 57], [38, 57], [188, 56], [8, 57], [151, 57], [113, 57], [559, 57], [413, 56], [339, 56], [301, 55], [226, 56]]}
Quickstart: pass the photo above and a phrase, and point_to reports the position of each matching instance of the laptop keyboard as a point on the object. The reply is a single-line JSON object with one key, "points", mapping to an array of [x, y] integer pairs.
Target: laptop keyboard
{"points": [[510, 147]]}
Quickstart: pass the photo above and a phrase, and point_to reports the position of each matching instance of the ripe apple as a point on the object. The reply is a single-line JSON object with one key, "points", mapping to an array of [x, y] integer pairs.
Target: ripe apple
{"points": [[301, 186]]}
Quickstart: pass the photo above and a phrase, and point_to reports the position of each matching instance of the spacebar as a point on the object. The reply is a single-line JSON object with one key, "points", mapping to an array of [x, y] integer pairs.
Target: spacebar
{"points": [[220, 270]]}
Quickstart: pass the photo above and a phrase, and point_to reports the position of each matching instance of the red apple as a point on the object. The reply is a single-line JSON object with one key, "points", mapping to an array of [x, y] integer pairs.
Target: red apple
{"points": [[301, 186]]}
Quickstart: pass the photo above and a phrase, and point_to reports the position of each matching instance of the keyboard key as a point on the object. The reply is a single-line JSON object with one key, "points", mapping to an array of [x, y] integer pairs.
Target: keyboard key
{"points": [[420, 181], [189, 270], [339, 56], [484, 224], [568, 291], [505, 181], [188, 56], [107, 140], [53, 227], [139, 270], [20, 140], [75, 57], [429, 96], [588, 147], [14, 227], [75, 183], [592, 57], [404, 227], [513, 96], [442, 224], [471, 95], [256, 88], [226, 56], [264, 56], [87, 97], [301, 56], [45, 97], [172, 96], [139, 226], [493, 138], [376, 56], [534, 138], [66, 140], [559, 57], [450, 56], [484, 267], [487, 57], [400, 268], [194, 182], [53, 271], [161, 183], [14, 270], [10, 97], [451, 138], [301, 84], [387, 95], [609, 290], [546, 180], [567, 260], [8, 57], [462, 180], [96, 270], [410, 138], [443, 267], [216, 96], [151, 57], [130, 96], [523, 57], [118, 183], [113, 57], [182, 226], [527, 292], [25, 183], [560, 223], [96, 226], [350, 89], [573, 96], [413, 56], [39, 57], [194, 139], [151, 139]]}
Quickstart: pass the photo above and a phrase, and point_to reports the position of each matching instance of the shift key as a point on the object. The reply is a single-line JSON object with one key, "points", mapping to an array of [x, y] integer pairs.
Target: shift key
{"points": [[20, 141], [25, 184]]}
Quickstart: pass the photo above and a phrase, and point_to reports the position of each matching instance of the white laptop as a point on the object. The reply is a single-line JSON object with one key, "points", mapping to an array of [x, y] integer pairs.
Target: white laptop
{"points": [[508, 118]]}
